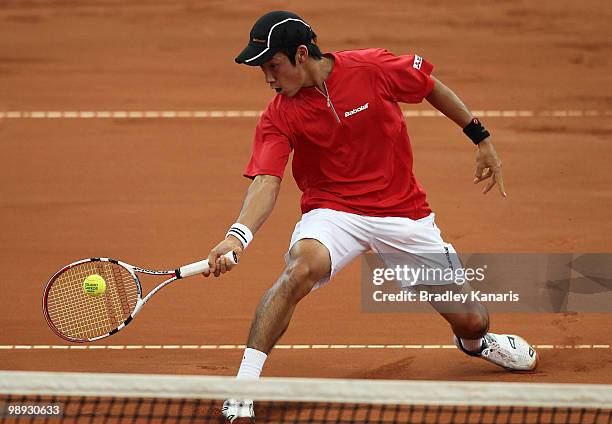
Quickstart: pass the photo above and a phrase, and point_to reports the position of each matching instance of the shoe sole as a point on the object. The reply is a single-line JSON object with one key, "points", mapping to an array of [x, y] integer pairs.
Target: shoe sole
{"points": [[535, 365]]}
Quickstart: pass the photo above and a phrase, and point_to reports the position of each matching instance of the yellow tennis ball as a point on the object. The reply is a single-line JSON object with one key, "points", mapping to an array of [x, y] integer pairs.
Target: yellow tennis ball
{"points": [[94, 285]]}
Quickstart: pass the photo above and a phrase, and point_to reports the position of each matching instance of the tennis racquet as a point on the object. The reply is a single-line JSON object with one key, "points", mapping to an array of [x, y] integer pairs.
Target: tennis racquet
{"points": [[77, 316]]}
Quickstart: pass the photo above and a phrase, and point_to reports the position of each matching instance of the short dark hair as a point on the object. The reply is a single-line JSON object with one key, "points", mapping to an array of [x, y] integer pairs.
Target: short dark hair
{"points": [[313, 51]]}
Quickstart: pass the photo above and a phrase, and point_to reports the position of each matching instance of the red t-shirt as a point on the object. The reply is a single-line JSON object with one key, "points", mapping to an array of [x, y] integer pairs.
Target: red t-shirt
{"points": [[362, 164]]}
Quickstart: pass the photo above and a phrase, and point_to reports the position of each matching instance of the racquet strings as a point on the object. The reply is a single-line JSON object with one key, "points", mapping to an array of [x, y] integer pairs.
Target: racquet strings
{"points": [[78, 315]]}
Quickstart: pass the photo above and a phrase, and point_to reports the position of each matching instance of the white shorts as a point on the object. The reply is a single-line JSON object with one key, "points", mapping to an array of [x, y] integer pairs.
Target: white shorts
{"points": [[346, 236]]}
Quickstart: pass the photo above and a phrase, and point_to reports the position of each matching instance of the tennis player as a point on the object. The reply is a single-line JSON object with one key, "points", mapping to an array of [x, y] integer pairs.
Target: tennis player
{"points": [[339, 113]]}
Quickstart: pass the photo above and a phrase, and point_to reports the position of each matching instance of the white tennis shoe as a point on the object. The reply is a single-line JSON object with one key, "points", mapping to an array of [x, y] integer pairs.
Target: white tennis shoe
{"points": [[506, 350], [238, 411]]}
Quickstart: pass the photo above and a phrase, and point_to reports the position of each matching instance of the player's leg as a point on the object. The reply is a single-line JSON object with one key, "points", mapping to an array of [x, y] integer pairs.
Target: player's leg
{"points": [[324, 241], [419, 244], [309, 262], [468, 319]]}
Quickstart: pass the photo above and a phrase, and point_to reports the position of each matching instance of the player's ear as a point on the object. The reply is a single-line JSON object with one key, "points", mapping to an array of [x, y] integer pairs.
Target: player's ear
{"points": [[301, 54]]}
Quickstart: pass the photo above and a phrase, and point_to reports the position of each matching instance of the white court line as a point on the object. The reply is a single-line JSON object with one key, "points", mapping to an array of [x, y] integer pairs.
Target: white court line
{"points": [[199, 114], [283, 347]]}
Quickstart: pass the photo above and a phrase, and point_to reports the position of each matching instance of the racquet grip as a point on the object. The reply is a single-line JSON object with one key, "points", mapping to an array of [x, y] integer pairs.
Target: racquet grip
{"points": [[202, 266]]}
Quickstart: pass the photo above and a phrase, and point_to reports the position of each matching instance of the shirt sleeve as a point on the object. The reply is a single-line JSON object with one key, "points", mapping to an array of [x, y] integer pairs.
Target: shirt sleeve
{"points": [[271, 149], [406, 78]]}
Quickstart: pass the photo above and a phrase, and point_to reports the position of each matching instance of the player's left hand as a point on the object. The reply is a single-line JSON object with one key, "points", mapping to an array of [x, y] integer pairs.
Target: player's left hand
{"points": [[488, 165]]}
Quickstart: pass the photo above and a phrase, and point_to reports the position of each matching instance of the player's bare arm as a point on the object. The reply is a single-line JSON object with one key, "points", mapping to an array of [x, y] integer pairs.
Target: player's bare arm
{"points": [[257, 206], [488, 163]]}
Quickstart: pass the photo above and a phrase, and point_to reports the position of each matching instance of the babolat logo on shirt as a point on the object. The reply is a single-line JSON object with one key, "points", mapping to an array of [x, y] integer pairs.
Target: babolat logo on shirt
{"points": [[356, 110], [418, 61]]}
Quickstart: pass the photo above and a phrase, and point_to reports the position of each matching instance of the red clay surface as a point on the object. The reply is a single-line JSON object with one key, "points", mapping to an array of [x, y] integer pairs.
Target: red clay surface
{"points": [[159, 193]]}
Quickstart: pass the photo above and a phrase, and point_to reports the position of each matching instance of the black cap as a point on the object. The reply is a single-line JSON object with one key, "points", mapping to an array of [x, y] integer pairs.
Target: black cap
{"points": [[271, 32]]}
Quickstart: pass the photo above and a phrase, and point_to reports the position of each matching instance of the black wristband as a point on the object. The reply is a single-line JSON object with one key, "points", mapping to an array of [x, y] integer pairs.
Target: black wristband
{"points": [[475, 131]]}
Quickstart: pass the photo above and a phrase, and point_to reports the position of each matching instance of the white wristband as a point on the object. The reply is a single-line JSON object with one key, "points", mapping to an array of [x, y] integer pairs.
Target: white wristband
{"points": [[242, 233]]}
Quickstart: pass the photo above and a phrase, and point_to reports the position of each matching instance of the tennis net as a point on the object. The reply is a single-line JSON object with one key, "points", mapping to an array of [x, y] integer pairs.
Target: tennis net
{"points": [[43, 397]]}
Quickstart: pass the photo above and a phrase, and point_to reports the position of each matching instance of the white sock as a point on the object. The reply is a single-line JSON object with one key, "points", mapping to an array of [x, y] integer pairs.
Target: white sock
{"points": [[472, 345], [252, 364]]}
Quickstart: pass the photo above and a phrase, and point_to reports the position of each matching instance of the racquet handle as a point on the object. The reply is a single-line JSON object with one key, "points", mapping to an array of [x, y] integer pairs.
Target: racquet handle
{"points": [[202, 266]]}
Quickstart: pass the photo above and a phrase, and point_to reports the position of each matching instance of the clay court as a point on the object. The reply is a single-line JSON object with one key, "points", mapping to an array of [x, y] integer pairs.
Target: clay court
{"points": [[125, 129]]}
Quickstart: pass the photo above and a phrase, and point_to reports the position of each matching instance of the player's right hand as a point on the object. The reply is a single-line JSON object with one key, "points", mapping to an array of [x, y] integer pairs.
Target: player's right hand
{"points": [[218, 263]]}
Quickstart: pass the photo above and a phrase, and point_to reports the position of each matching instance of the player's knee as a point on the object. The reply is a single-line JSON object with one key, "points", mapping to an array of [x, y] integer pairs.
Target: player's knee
{"points": [[298, 280]]}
